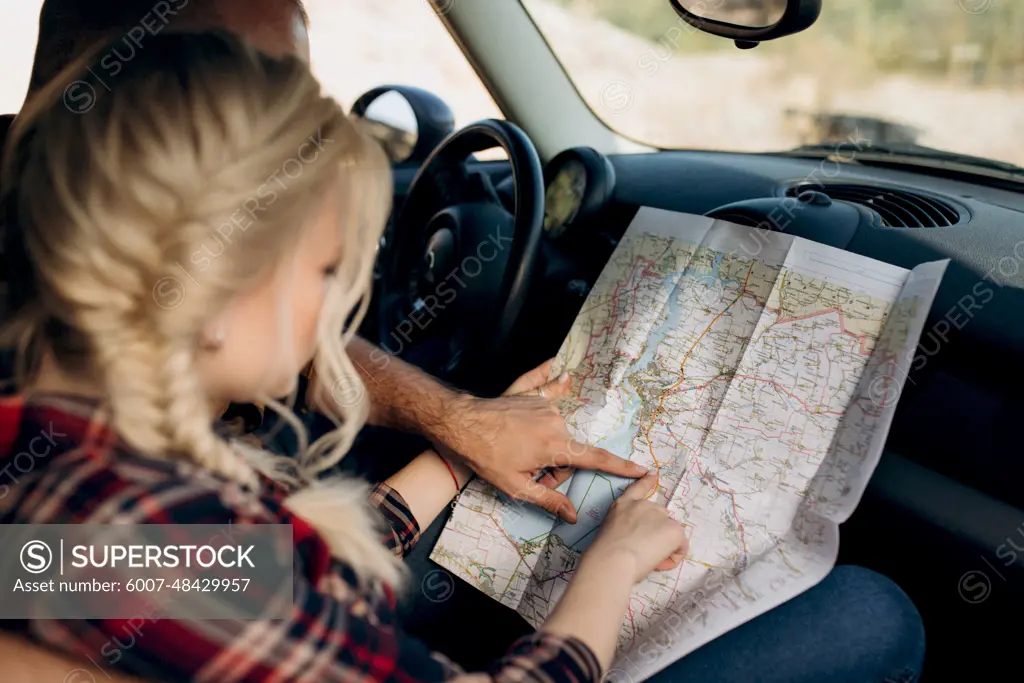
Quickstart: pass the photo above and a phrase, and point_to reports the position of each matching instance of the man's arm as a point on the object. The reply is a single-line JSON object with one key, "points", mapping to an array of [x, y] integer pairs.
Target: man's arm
{"points": [[401, 395], [507, 440]]}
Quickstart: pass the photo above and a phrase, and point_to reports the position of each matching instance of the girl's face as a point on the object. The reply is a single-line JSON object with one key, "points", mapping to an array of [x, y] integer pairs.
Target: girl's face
{"points": [[258, 346]]}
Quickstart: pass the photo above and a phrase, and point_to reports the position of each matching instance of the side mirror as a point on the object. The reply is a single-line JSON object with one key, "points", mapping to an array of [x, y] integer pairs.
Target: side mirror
{"points": [[408, 122], [748, 22]]}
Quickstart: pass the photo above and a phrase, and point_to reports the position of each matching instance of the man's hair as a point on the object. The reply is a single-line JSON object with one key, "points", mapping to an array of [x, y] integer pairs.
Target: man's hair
{"points": [[67, 28]]}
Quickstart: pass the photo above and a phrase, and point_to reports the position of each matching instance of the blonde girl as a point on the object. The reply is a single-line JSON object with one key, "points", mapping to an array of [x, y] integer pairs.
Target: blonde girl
{"points": [[194, 236]]}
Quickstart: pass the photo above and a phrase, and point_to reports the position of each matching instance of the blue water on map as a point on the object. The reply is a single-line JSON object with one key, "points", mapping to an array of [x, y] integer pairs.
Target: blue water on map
{"points": [[592, 492]]}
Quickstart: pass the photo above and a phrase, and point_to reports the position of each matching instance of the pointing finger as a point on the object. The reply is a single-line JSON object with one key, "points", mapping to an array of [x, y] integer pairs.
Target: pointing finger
{"points": [[641, 489], [599, 459]]}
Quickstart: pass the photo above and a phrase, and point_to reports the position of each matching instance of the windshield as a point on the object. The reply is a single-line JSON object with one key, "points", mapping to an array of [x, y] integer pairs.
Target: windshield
{"points": [[897, 73]]}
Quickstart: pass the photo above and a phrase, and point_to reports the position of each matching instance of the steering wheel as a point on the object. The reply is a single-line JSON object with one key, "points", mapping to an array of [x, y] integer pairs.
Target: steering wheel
{"points": [[454, 267]]}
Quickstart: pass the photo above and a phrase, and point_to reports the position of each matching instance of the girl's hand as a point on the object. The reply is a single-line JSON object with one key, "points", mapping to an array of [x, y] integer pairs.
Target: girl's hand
{"points": [[641, 531], [637, 537]]}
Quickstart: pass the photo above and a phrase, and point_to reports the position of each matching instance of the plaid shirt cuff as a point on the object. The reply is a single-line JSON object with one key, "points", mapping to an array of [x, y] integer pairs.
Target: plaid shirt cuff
{"points": [[404, 530], [547, 658]]}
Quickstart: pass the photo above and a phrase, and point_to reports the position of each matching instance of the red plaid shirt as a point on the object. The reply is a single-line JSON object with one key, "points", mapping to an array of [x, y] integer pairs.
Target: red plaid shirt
{"points": [[339, 629]]}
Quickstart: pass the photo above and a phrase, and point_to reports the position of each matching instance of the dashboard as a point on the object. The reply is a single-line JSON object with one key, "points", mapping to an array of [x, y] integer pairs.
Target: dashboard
{"points": [[896, 216], [973, 345]]}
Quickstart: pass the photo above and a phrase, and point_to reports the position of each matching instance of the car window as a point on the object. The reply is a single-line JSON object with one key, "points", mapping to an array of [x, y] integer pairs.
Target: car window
{"points": [[356, 45], [19, 25], [946, 75], [359, 44]]}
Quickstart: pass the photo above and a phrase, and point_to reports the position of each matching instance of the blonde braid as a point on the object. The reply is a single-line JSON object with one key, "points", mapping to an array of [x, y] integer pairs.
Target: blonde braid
{"points": [[102, 295], [128, 360], [187, 421]]}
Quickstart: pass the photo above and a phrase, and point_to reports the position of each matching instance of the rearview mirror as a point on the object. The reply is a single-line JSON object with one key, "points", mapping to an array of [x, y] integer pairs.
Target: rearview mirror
{"points": [[748, 22]]}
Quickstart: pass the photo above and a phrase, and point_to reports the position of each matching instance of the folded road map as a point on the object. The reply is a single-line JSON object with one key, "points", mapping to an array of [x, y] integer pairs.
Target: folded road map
{"points": [[758, 373]]}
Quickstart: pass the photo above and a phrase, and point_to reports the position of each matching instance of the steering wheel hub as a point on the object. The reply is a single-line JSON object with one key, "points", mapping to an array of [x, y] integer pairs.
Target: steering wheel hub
{"points": [[439, 259]]}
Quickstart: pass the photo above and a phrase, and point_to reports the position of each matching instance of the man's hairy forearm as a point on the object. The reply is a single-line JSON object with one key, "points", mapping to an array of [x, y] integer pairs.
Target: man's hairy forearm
{"points": [[401, 395]]}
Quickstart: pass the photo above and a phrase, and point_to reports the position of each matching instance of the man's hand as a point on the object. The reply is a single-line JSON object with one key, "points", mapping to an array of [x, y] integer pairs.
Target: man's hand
{"points": [[508, 440], [512, 439]]}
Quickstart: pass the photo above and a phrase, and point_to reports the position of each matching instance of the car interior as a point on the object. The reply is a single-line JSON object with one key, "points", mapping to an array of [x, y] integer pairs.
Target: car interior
{"points": [[944, 512]]}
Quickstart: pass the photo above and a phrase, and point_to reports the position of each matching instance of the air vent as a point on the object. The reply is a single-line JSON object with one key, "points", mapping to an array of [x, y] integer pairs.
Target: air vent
{"points": [[897, 208]]}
